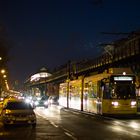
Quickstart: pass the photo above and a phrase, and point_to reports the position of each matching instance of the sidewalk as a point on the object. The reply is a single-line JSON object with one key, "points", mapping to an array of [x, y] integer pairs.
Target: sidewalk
{"points": [[81, 112], [101, 116]]}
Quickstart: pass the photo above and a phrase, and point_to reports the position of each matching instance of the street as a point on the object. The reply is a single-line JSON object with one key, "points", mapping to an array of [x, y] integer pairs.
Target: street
{"points": [[56, 123]]}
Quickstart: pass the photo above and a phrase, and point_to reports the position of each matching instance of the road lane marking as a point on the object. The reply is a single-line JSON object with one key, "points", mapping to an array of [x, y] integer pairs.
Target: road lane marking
{"points": [[53, 124], [68, 134]]}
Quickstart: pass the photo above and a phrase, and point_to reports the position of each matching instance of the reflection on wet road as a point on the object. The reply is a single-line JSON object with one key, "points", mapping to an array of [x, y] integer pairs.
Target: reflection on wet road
{"points": [[56, 123]]}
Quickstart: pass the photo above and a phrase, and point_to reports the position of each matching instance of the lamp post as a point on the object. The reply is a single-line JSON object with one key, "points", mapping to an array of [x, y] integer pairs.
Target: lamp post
{"points": [[68, 80], [2, 72]]}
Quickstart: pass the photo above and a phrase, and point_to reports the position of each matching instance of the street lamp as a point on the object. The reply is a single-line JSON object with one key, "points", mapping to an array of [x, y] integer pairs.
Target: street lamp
{"points": [[1, 79], [68, 81], [4, 76], [3, 71]]}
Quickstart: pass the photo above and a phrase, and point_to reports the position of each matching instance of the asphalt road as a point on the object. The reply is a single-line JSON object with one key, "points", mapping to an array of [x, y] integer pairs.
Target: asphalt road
{"points": [[56, 123]]}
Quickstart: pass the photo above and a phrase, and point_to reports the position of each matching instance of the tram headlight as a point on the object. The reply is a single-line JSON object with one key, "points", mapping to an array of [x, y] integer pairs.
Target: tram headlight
{"points": [[115, 103], [133, 103]]}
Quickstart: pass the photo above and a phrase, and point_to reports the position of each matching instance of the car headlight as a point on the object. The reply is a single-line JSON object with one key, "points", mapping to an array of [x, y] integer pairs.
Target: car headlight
{"points": [[115, 103], [1, 99], [7, 111], [36, 102], [133, 103], [27, 100], [46, 103]]}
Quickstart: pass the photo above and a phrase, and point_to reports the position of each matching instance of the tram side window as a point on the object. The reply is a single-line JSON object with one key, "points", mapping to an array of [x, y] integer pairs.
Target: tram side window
{"points": [[90, 89], [94, 91]]}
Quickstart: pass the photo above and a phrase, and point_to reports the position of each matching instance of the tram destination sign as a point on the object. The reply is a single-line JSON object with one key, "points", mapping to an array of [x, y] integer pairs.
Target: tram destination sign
{"points": [[123, 78]]}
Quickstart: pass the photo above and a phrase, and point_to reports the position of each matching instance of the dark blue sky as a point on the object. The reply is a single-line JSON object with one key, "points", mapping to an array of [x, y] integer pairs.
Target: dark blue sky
{"points": [[51, 32]]}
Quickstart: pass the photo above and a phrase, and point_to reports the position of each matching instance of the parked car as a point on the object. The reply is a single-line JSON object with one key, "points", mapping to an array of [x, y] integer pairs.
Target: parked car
{"points": [[53, 100], [9, 98], [18, 112]]}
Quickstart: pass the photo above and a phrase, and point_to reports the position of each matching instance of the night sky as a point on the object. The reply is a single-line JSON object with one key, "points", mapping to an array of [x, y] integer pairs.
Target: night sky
{"points": [[48, 33]]}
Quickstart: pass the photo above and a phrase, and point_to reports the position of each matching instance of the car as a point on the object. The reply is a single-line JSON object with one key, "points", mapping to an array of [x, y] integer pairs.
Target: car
{"points": [[53, 100], [18, 112], [41, 102], [7, 99]]}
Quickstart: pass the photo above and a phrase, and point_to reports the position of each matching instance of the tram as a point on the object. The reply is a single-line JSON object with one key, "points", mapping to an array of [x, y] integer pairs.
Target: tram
{"points": [[110, 92]]}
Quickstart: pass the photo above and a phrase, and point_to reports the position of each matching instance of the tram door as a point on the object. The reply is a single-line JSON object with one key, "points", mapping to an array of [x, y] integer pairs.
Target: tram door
{"points": [[100, 91]]}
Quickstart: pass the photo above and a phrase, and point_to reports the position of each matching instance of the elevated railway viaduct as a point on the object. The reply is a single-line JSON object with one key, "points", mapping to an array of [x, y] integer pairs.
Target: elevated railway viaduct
{"points": [[121, 53]]}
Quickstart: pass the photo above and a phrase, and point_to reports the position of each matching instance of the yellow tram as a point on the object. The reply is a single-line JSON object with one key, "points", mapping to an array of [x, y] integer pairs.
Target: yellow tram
{"points": [[110, 92]]}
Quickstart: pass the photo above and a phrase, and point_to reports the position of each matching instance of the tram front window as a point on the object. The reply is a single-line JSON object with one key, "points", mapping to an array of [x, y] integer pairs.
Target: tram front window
{"points": [[119, 90], [123, 90]]}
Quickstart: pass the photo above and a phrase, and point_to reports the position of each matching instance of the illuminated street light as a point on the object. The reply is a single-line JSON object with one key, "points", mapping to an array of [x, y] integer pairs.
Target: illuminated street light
{"points": [[0, 58], [2, 71], [4, 76]]}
